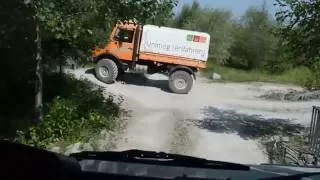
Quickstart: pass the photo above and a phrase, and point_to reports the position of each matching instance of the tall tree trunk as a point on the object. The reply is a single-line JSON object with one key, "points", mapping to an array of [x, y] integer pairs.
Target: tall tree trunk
{"points": [[39, 78], [61, 66]]}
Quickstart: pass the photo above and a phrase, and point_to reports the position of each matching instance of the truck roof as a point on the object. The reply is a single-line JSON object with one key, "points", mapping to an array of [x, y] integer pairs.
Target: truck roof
{"points": [[149, 26]]}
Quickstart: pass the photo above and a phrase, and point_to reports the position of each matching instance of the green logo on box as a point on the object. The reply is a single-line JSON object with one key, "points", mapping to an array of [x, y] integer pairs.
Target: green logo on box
{"points": [[194, 38], [189, 37]]}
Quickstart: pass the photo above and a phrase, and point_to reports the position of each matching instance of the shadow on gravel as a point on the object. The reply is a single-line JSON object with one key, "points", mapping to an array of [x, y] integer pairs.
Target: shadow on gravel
{"points": [[139, 80], [246, 126], [90, 71]]}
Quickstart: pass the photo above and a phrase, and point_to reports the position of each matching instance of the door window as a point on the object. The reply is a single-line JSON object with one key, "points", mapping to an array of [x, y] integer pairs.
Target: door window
{"points": [[124, 35]]}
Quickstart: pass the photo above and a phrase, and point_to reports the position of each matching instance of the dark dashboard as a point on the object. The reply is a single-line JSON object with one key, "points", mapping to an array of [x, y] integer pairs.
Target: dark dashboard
{"points": [[23, 162]]}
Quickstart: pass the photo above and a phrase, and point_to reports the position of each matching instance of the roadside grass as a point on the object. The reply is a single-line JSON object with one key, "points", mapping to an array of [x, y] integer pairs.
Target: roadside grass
{"points": [[298, 76], [75, 111]]}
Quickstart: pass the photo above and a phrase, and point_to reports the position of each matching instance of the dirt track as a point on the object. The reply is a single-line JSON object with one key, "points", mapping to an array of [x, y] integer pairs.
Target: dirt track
{"points": [[219, 121]]}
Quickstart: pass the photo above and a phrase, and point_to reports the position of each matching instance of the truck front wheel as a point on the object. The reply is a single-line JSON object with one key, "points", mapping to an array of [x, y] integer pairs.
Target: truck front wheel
{"points": [[106, 71], [180, 82]]}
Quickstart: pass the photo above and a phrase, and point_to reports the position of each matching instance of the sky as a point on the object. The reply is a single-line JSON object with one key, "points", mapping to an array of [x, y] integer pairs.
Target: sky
{"points": [[238, 7]]}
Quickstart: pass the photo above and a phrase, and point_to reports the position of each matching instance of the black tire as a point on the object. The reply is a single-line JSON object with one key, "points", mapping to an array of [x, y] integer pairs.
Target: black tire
{"points": [[106, 71], [182, 78]]}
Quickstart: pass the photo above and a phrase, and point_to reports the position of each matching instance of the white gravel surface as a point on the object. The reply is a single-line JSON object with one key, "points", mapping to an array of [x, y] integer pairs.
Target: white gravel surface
{"points": [[163, 121]]}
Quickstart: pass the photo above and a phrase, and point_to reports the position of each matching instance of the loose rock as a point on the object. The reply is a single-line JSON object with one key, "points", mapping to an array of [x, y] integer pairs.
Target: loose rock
{"points": [[73, 148], [86, 147], [55, 149], [216, 76]]}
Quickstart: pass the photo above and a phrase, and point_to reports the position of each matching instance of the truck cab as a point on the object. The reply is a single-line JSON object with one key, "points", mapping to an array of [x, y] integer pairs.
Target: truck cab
{"points": [[152, 49], [121, 42]]}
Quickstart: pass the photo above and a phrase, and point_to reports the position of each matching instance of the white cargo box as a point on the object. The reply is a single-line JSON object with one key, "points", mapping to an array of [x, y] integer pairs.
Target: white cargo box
{"points": [[175, 42]]}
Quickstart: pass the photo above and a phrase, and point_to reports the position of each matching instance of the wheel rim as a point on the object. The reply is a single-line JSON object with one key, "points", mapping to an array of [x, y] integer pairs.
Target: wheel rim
{"points": [[104, 72], [180, 83]]}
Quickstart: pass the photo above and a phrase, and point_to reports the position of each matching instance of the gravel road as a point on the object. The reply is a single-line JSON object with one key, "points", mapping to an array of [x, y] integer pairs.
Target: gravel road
{"points": [[218, 121]]}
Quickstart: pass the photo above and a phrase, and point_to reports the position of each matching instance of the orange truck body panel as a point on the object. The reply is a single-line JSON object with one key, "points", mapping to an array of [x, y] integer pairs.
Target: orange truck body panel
{"points": [[124, 51], [172, 60]]}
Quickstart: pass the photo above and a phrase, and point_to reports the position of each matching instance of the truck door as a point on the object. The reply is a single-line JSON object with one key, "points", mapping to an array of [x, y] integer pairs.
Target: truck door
{"points": [[124, 42]]}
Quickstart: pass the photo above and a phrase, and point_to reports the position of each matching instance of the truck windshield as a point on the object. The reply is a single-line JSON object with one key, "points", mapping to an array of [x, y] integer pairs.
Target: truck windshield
{"points": [[124, 35]]}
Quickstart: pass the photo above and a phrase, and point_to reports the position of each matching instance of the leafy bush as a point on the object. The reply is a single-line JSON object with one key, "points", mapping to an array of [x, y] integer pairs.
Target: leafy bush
{"points": [[72, 116]]}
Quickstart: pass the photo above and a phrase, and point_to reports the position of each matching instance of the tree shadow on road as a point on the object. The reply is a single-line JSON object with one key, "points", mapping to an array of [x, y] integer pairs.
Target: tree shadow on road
{"points": [[139, 80], [246, 126], [90, 71]]}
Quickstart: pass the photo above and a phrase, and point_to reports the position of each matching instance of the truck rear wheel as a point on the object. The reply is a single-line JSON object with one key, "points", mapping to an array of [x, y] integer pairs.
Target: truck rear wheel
{"points": [[180, 82], [106, 71]]}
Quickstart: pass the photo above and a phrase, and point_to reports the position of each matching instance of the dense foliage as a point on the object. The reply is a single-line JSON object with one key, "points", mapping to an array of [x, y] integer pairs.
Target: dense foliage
{"points": [[300, 29], [75, 115], [74, 27]]}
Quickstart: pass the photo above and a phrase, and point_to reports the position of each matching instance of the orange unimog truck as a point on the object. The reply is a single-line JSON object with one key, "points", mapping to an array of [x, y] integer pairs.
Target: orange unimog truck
{"points": [[153, 49]]}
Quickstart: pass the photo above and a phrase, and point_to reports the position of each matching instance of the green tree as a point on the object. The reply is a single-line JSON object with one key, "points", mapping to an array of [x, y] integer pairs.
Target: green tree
{"points": [[182, 18], [164, 13], [255, 43], [300, 29]]}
